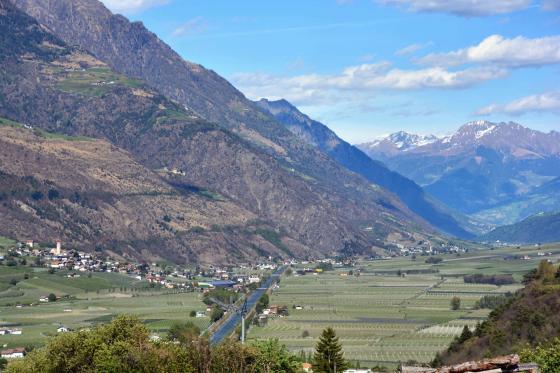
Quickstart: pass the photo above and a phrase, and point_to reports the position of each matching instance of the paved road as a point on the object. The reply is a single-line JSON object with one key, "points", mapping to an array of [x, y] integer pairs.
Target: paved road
{"points": [[234, 319]]}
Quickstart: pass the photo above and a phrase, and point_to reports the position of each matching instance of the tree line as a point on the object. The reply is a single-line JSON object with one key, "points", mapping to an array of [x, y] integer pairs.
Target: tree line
{"points": [[124, 346]]}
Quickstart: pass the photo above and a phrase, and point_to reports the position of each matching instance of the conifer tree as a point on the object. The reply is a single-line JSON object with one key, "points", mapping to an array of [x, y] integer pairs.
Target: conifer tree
{"points": [[329, 357]]}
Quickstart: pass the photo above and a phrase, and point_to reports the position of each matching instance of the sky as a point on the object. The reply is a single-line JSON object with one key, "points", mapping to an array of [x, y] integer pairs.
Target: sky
{"points": [[367, 68]]}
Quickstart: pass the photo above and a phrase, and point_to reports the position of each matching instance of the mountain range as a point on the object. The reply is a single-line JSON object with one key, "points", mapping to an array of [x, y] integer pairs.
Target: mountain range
{"points": [[497, 173], [321, 137], [87, 72]]}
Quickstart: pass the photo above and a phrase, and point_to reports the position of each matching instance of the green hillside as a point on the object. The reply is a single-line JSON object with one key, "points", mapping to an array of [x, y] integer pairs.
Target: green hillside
{"points": [[537, 228]]}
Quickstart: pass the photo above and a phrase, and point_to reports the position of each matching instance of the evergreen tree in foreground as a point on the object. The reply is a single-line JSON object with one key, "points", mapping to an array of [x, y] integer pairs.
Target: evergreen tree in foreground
{"points": [[329, 357]]}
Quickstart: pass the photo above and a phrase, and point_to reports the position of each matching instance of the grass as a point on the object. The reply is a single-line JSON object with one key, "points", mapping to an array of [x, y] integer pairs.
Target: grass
{"points": [[6, 243], [10, 123], [94, 82], [384, 319]]}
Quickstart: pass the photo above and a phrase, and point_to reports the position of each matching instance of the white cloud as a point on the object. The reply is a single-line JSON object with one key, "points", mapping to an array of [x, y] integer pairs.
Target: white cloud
{"points": [[191, 27], [551, 5], [412, 48], [465, 8], [495, 49], [130, 6], [544, 102], [360, 80]]}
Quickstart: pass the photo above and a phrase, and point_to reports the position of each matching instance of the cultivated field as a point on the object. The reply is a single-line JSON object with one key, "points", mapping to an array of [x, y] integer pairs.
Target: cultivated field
{"points": [[91, 300], [383, 318]]}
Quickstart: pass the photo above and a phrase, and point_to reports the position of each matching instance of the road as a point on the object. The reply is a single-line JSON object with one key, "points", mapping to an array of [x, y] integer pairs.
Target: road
{"points": [[228, 326]]}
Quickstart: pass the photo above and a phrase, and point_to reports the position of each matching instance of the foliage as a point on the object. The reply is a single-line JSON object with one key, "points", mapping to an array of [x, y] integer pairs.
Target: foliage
{"points": [[183, 331], [121, 346], [547, 356], [455, 303], [263, 303], [329, 357], [434, 260], [52, 297], [489, 279], [493, 301], [275, 357], [324, 266], [216, 314]]}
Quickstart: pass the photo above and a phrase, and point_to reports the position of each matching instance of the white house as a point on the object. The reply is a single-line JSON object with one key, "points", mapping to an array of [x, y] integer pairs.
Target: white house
{"points": [[254, 279], [62, 329]]}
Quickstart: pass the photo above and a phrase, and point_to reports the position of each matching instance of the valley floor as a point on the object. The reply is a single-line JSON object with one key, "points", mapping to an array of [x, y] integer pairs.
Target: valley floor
{"points": [[383, 318]]}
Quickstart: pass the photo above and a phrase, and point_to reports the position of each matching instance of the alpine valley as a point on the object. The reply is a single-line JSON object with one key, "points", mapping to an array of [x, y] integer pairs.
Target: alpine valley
{"points": [[497, 173], [277, 194]]}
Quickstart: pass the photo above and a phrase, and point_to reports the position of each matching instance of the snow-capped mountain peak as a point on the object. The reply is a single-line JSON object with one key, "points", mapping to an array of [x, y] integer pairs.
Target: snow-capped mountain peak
{"points": [[405, 141]]}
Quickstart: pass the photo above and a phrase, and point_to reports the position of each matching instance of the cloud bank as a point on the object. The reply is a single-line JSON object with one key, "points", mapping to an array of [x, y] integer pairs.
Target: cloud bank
{"points": [[544, 102]]}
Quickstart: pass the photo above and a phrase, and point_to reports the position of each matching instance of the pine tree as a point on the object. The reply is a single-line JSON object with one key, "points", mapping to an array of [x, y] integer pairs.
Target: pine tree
{"points": [[465, 335], [329, 357]]}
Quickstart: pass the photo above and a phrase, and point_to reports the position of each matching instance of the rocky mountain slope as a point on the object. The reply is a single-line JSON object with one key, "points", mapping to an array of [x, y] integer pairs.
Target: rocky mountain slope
{"points": [[132, 50], [94, 195], [320, 136], [543, 227], [54, 87], [482, 166]]}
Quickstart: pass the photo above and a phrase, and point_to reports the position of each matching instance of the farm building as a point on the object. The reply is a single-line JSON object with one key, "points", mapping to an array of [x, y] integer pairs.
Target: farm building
{"points": [[13, 353]]}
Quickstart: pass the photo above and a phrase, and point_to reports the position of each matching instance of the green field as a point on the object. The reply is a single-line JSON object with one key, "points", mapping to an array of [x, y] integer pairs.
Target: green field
{"points": [[95, 81], [383, 318], [91, 300]]}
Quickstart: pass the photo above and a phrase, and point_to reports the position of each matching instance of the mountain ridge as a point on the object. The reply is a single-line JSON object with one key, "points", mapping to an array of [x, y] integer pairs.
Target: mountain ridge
{"points": [[481, 167], [320, 136], [72, 92], [542, 227]]}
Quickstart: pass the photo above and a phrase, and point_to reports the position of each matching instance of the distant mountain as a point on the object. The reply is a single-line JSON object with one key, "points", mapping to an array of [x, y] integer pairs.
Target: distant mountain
{"points": [[544, 198], [320, 136], [482, 166], [301, 201], [543, 227], [398, 142]]}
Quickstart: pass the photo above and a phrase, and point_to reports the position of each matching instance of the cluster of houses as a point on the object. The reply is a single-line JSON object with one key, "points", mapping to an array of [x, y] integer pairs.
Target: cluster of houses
{"points": [[76, 262]]}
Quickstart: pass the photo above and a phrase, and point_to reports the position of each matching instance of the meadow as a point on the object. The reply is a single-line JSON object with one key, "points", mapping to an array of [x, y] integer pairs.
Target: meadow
{"points": [[386, 316]]}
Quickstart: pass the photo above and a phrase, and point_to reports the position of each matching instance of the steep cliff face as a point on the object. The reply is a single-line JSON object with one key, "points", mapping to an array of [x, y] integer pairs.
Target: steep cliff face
{"points": [[65, 90]]}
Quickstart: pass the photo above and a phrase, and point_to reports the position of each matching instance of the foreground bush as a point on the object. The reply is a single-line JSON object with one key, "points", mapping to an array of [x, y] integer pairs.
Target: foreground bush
{"points": [[123, 346]]}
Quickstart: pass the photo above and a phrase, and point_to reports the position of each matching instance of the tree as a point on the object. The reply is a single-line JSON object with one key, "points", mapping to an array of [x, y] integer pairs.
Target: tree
{"points": [[192, 313], [546, 356], [120, 346], [274, 357], [52, 297], [183, 331], [216, 314], [263, 303], [329, 357], [466, 334], [455, 303]]}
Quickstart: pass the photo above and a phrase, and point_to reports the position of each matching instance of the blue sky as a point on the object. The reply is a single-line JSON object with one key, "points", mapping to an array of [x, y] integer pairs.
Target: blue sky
{"points": [[371, 67]]}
